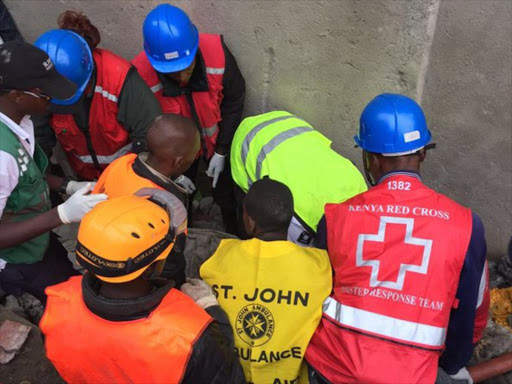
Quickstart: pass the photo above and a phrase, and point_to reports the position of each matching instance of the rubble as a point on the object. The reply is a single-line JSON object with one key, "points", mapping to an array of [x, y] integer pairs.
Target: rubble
{"points": [[12, 337]]}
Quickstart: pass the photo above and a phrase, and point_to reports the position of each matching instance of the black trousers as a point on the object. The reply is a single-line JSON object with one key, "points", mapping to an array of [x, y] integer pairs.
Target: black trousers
{"points": [[33, 278], [222, 194]]}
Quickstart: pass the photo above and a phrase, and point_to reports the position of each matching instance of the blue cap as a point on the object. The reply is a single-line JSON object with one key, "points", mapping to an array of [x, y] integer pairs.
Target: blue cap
{"points": [[393, 125], [72, 58], [170, 39]]}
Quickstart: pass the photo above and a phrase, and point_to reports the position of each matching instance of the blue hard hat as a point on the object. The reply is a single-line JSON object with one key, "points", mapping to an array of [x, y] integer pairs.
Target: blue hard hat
{"points": [[72, 58], [393, 125], [170, 39]]}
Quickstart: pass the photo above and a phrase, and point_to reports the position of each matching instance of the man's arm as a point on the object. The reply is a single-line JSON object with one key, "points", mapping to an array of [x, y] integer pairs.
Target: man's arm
{"points": [[213, 358], [232, 104], [459, 339], [321, 234], [138, 107]]}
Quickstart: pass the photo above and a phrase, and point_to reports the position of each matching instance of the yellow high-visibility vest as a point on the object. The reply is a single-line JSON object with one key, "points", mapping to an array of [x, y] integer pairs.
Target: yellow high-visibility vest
{"points": [[272, 292], [288, 149]]}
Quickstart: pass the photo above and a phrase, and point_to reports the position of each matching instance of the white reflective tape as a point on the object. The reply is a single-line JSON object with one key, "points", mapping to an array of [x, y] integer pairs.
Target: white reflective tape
{"points": [[214, 71], [210, 131], [106, 159], [111, 97], [483, 286], [171, 55], [411, 136], [377, 324], [156, 88]]}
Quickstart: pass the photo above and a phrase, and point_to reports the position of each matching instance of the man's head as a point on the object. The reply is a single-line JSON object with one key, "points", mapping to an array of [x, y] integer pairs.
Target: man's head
{"points": [[28, 80], [268, 208], [173, 142], [393, 134]]}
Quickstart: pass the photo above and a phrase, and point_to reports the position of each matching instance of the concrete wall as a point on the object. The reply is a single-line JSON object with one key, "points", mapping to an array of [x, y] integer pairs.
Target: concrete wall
{"points": [[324, 60]]}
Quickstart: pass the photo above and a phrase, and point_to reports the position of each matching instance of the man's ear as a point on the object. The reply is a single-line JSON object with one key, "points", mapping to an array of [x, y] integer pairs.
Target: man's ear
{"points": [[249, 223], [14, 96], [422, 155]]}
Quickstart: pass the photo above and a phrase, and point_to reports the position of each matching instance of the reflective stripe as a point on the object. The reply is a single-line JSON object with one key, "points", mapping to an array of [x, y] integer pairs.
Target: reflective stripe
{"points": [[374, 323], [211, 130], [156, 88], [106, 159], [272, 144], [214, 71], [111, 97], [482, 287], [253, 132]]}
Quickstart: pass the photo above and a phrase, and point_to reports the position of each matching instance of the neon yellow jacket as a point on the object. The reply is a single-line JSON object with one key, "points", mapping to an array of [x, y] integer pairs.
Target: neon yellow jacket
{"points": [[272, 292], [288, 149]]}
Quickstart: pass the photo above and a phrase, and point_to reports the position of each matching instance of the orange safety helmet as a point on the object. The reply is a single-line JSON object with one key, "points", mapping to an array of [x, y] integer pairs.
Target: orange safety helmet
{"points": [[120, 238]]}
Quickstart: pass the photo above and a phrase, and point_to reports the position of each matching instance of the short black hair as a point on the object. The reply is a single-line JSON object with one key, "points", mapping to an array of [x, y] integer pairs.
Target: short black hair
{"points": [[270, 204]]}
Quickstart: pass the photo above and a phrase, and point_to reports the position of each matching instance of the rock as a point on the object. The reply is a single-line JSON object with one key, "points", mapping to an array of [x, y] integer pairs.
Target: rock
{"points": [[12, 338], [195, 205], [205, 205], [12, 304], [32, 307], [30, 364], [496, 341], [496, 280]]}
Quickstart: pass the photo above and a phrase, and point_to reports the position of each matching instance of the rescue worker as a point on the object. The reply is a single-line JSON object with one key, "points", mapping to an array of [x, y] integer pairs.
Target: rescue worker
{"points": [[271, 289], [119, 323], [195, 75], [172, 142], [31, 257], [288, 149], [409, 265], [110, 112]]}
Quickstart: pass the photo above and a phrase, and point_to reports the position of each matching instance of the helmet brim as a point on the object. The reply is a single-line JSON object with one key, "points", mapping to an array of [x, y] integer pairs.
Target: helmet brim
{"points": [[173, 66], [79, 92]]}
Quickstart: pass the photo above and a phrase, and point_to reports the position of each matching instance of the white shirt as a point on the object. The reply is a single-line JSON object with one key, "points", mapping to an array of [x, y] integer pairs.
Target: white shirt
{"points": [[9, 172]]}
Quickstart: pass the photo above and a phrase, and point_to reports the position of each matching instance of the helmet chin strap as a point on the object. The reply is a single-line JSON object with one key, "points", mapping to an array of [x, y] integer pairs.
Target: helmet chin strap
{"points": [[366, 166]]}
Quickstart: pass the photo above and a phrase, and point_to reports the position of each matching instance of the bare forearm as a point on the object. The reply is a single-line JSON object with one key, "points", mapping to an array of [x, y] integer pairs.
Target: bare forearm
{"points": [[54, 182], [12, 234]]}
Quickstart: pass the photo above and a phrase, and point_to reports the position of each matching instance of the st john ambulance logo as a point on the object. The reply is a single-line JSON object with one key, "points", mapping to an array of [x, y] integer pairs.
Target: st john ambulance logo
{"points": [[255, 324]]}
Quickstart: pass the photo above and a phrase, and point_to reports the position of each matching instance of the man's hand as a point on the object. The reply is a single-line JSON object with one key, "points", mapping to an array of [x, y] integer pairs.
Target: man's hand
{"points": [[81, 202], [215, 167], [200, 292], [186, 183], [463, 375], [74, 186]]}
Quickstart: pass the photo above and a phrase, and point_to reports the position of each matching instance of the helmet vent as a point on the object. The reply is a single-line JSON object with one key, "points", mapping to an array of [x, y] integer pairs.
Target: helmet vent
{"points": [[135, 235], [163, 221], [151, 225]]}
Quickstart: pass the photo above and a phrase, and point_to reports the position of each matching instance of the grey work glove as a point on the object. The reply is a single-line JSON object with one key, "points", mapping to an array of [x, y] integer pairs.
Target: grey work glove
{"points": [[216, 166], [74, 186], [74, 208], [186, 183], [199, 291]]}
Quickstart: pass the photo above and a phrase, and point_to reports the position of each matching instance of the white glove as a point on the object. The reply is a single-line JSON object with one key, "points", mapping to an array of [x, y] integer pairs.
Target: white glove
{"points": [[215, 167], [74, 208], [200, 292], [74, 186], [463, 374], [186, 183]]}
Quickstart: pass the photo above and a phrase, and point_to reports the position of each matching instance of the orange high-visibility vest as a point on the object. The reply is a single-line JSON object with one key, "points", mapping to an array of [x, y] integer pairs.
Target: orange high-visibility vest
{"points": [[397, 252], [108, 137], [85, 348], [207, 103]]}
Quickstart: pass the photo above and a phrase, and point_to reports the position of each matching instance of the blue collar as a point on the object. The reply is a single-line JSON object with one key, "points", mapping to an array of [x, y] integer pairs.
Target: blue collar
{"points": [[399, 173]]}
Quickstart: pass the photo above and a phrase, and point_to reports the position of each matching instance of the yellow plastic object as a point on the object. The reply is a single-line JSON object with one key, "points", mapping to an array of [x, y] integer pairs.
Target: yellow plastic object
{"points": [[501, 306]]}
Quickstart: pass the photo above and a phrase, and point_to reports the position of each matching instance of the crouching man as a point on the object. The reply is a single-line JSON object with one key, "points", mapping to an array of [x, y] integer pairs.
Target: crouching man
{"points": [[271, 288], [119, 323]]}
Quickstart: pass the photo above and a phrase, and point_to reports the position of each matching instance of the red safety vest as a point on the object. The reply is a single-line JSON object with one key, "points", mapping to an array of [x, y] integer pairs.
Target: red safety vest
{"points": [[109, 139], [207, 103], [397, 252], [85, 348]]}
